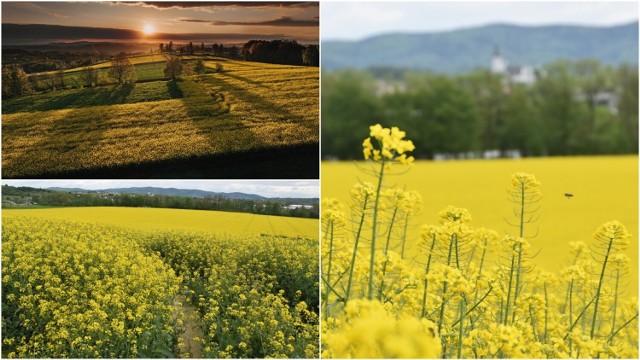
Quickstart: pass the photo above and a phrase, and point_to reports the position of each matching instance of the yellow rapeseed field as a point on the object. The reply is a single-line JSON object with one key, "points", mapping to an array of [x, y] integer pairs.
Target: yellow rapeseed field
{"points": [[250, 107], [177, 219], [544, 282], [604, 188], [87, 289]]}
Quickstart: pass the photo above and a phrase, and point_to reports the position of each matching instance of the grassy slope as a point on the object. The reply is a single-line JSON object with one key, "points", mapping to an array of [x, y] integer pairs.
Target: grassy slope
{"points": [[604, 188], [169, 219], [252, 113]]}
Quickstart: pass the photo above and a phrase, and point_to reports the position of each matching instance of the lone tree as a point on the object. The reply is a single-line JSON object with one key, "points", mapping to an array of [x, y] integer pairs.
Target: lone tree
{"points": [[14, 81], [173, 68], [199, 68], [122, 69], [89, 75]]}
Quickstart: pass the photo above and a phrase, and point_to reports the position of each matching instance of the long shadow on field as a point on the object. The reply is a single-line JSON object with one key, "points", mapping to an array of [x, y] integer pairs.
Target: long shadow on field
{"points": [[103, 95], [247, 80], [208, 111], [61, 139], [289, 162], [260, 103]]}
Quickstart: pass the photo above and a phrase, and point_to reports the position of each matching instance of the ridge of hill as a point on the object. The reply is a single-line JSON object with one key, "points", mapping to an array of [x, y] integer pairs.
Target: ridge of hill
{"points": [[465, 49]]}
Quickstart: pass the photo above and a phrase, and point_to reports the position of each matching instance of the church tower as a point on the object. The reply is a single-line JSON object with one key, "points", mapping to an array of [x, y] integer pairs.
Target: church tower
{"points": [[498, 65]]}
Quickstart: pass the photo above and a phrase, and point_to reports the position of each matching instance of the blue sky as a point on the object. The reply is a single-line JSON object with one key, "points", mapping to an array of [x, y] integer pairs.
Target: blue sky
{"points": [[357, 20], [268, 188]]}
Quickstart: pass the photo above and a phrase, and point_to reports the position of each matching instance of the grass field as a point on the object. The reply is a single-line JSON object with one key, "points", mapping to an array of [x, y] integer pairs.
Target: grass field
{"points": [[176, 219], [604, 188], [149, 283], [251, 121]]}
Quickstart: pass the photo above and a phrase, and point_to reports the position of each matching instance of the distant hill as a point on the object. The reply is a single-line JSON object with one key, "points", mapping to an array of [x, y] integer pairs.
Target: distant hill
{"points": [[166, 191], [82, 47], [463, 50]]}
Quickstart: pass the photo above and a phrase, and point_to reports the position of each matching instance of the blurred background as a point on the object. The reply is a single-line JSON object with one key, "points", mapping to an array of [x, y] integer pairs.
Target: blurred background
{"points": [[482, 80]]}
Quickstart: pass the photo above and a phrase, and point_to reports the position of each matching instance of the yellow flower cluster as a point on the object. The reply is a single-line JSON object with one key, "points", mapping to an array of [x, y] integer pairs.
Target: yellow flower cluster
{"points": [[366, 329], [258, 295], [475, 303], [86, 291], [390, 145], [83, 291]]}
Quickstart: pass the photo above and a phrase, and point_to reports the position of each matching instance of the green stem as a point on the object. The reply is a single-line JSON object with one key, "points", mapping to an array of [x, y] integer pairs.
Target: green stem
{"points": [[426, 271], [584, 310], [355, 250], [615, 301], [484, 251], [546, 313], [511, 269], [622, 327], [404, 235], [386, 251], [571, 312], [595, 309], [326, 296], [373, 232], [461, 329]]}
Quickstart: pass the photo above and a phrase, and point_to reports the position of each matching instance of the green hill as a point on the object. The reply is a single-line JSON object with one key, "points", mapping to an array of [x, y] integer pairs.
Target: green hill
{"points": [[462, 50]]}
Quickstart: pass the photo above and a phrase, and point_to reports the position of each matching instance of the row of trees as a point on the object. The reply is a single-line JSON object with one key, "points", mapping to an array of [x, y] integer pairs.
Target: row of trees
{"points": [[15, 82], [581, 107], [45, 61], [287, 52], [32, 196], [232, 52]]}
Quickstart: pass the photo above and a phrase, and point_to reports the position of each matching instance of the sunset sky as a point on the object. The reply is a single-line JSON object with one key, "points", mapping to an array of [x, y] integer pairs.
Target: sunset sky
{"points": [[225, 22]]}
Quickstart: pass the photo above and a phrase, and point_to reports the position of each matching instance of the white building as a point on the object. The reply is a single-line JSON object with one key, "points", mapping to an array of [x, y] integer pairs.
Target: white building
{"points": [[516, 74]]}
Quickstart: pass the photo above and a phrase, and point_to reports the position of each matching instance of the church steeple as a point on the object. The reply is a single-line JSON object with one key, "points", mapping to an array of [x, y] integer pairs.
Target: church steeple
{"points": [[498, 65]]}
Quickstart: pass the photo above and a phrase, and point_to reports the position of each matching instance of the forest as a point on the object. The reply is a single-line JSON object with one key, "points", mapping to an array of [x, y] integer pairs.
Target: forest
{"points": [[27, 196], [573, 108]]}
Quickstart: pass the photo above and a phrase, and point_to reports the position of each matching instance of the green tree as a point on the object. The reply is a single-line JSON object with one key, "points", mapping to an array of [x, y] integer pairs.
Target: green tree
{"points": [[311, 55], [15, 81], [628, 105], [122, 70], [89, 75], [173, 67], [349, 101], [199, 67]]}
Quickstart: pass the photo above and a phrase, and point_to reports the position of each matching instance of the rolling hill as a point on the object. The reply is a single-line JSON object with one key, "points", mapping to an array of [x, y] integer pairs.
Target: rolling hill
{"points": [[463, 50]]}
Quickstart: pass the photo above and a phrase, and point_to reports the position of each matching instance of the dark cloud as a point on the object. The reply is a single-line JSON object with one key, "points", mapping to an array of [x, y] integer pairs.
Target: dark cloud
{"points": [[177, 4], [283, 21], [14, 34], [195, 20], [37, 32]]}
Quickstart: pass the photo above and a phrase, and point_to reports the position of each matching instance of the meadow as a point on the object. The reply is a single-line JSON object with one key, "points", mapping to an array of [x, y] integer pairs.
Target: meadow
{"points": [[85, 288], [528, 258], [250, 120]]}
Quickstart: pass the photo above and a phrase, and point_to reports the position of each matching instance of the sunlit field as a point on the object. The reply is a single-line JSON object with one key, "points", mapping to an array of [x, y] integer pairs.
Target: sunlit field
{"points": [[176, 219], [604, 189], [229, 124], [525, 258], [158, 283]]}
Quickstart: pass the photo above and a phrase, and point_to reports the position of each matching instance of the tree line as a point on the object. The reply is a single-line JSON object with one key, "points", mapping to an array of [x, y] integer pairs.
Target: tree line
{"points": [[574, 107], [279, 207], [17, 82]]}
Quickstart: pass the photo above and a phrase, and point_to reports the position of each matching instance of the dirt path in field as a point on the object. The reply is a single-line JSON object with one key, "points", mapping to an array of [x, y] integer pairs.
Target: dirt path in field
{"points": [[192, 329]]}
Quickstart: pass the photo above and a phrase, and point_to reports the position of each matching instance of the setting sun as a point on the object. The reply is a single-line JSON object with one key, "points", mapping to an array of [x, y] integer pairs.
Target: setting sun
{"points": [[148, 29]]}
